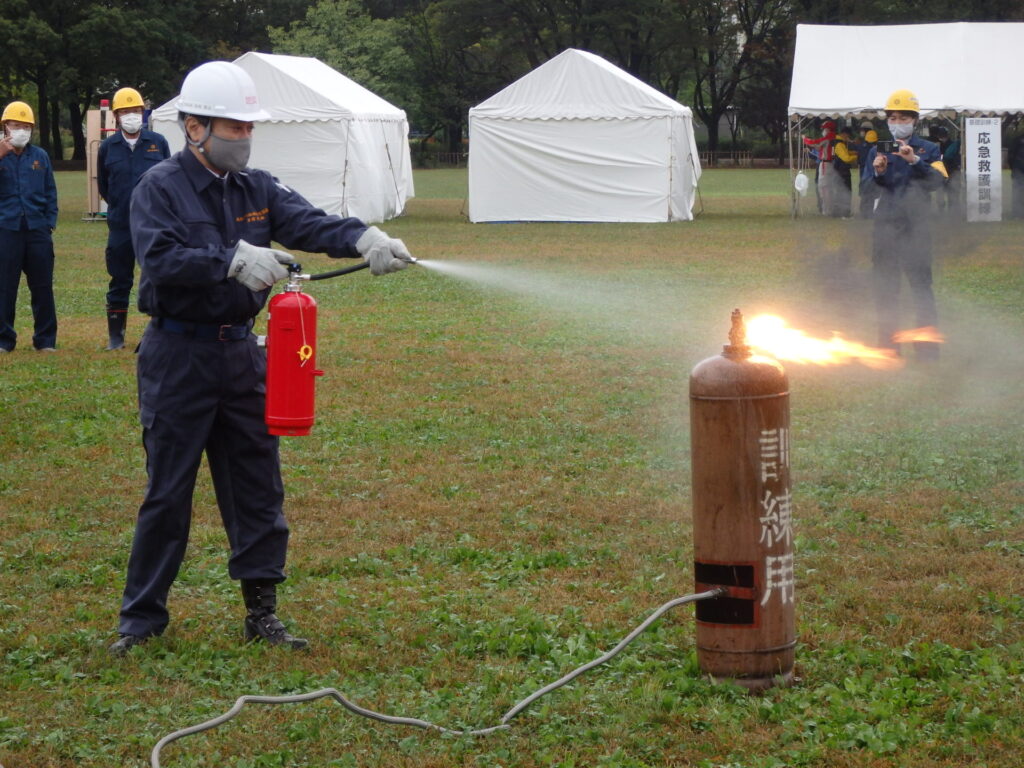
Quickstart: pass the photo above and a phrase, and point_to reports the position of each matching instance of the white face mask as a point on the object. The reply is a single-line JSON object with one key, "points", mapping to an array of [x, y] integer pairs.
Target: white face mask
{"points": [[131, 123], [20, 137], [901, 130]]}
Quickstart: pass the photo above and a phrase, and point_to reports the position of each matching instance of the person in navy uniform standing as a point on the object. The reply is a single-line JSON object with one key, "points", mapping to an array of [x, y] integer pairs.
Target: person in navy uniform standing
{"points": [[28, 216], [903, 182], [124, 156], [202, 223]]}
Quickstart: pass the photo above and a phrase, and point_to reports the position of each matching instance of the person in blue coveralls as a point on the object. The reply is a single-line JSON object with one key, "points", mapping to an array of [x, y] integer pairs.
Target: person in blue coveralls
{"points": [[28, 216], [202, 223], [124, 156], [903, 179]]}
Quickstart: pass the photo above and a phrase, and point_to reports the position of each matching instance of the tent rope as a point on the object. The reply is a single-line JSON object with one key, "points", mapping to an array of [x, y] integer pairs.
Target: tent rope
{"points": [[391, 167]]}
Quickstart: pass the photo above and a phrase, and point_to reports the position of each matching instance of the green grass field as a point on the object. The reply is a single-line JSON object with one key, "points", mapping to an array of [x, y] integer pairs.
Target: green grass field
{"points": [[497, 491]]}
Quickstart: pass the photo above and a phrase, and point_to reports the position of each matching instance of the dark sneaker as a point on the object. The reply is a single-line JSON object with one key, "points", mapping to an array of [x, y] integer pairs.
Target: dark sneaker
{"points": [[270, 629], [125, 643]]}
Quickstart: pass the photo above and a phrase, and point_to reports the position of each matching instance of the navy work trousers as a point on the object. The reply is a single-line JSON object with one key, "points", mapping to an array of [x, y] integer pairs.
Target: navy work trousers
{"points": [[120, 267], [899, 249], [194, 396], [1018, 195], [29, 251]]}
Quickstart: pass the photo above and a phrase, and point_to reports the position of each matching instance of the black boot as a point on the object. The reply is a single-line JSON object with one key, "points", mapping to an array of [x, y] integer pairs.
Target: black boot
{"points": [[117, 319], [261, 623], [124, 644]]}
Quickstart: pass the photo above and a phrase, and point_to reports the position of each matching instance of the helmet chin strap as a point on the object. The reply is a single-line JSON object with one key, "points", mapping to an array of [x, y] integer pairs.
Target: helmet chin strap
{"points": [[208, 129]]}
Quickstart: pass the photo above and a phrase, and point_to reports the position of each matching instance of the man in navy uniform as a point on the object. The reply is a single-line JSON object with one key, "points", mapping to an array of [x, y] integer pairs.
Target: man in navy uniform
{"points": [[28, 216], [124, 156], [202, 223], [903, 182]]}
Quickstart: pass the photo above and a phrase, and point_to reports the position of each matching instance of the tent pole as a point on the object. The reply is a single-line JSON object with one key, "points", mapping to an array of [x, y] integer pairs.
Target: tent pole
{"points": [[795, 207], [961, 192]]}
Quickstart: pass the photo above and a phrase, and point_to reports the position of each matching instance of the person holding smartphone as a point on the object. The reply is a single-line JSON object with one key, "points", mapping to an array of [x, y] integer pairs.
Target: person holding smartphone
{"points": [[901, 183]]}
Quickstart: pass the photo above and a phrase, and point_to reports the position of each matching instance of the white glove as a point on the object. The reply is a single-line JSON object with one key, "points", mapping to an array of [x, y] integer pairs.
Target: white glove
{"points": [[258, 268], [385, 254]]}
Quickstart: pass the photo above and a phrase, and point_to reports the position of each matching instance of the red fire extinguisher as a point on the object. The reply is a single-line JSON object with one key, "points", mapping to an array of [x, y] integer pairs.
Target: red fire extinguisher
{"points": [[291, 361], [291, 353]]}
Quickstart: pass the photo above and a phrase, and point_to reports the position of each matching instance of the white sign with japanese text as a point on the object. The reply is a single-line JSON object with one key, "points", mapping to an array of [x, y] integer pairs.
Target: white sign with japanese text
{"points": [[983, 168]]}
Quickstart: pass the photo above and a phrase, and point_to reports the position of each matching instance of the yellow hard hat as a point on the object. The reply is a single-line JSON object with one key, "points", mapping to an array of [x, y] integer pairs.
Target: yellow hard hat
{"points": [[871, 137], [20, 111], [127, 98], [902, 101]]}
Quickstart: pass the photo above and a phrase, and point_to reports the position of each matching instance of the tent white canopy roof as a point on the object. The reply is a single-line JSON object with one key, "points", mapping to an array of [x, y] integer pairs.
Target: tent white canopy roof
{"points": [[338, 144], [295, 88], [311, 90], [962, 67], [578, 84]]}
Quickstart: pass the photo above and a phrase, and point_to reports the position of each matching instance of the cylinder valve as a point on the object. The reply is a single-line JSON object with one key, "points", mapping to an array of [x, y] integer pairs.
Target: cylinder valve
{"points": [[742, 515]]}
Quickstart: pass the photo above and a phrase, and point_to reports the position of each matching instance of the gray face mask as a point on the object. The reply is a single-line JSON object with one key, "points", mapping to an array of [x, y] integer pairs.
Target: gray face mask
{"points": [[228, 154]]}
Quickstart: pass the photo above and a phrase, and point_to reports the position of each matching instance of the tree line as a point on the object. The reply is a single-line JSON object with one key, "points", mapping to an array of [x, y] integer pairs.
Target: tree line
{"points": [[435, 58]]}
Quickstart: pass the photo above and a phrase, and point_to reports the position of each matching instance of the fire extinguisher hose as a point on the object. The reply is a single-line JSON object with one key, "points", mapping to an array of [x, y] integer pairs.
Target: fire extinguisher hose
{"points": [[340, 272], [394, 720]]}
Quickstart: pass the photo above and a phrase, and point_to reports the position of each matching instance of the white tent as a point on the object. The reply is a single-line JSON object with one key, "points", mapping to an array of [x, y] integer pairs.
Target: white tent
{"points": [[342, 147], [963, 68], [578, 139]]}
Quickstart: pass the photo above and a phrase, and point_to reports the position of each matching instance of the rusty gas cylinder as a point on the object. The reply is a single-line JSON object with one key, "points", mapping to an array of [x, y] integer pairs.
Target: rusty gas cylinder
{"points": [[742, 515]]}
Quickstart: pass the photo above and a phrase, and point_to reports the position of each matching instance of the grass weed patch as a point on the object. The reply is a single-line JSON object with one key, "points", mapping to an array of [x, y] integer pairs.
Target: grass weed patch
{"points": [[497, 491]]}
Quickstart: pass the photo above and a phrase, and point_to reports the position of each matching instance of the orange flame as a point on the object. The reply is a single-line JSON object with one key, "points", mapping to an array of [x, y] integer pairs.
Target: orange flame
{"points": [[770, 335], [928, 333]]}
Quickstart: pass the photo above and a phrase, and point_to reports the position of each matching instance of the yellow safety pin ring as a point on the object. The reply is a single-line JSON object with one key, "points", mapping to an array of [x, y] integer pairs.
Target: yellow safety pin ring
{"points": [[305, 352]]}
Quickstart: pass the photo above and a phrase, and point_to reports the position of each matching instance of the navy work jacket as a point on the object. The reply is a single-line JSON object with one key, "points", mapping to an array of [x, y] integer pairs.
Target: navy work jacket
{"points": [[120, 167], [185, 226], [904, 190], [27, 189]]}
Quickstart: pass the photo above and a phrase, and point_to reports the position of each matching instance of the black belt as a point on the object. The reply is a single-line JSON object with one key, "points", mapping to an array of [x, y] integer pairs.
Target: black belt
{"points": [[204, 331]]}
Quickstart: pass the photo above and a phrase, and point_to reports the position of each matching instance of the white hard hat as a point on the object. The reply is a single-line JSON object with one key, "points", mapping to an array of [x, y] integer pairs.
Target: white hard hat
{"points": [[220, 89]]}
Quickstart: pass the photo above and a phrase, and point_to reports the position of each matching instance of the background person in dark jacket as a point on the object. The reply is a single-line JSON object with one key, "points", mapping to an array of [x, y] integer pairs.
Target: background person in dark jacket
{"points": [[949, 196], [1015, 157], [868, 140], [901, 243], [28, 216], [844, 158], [124, 156]]}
